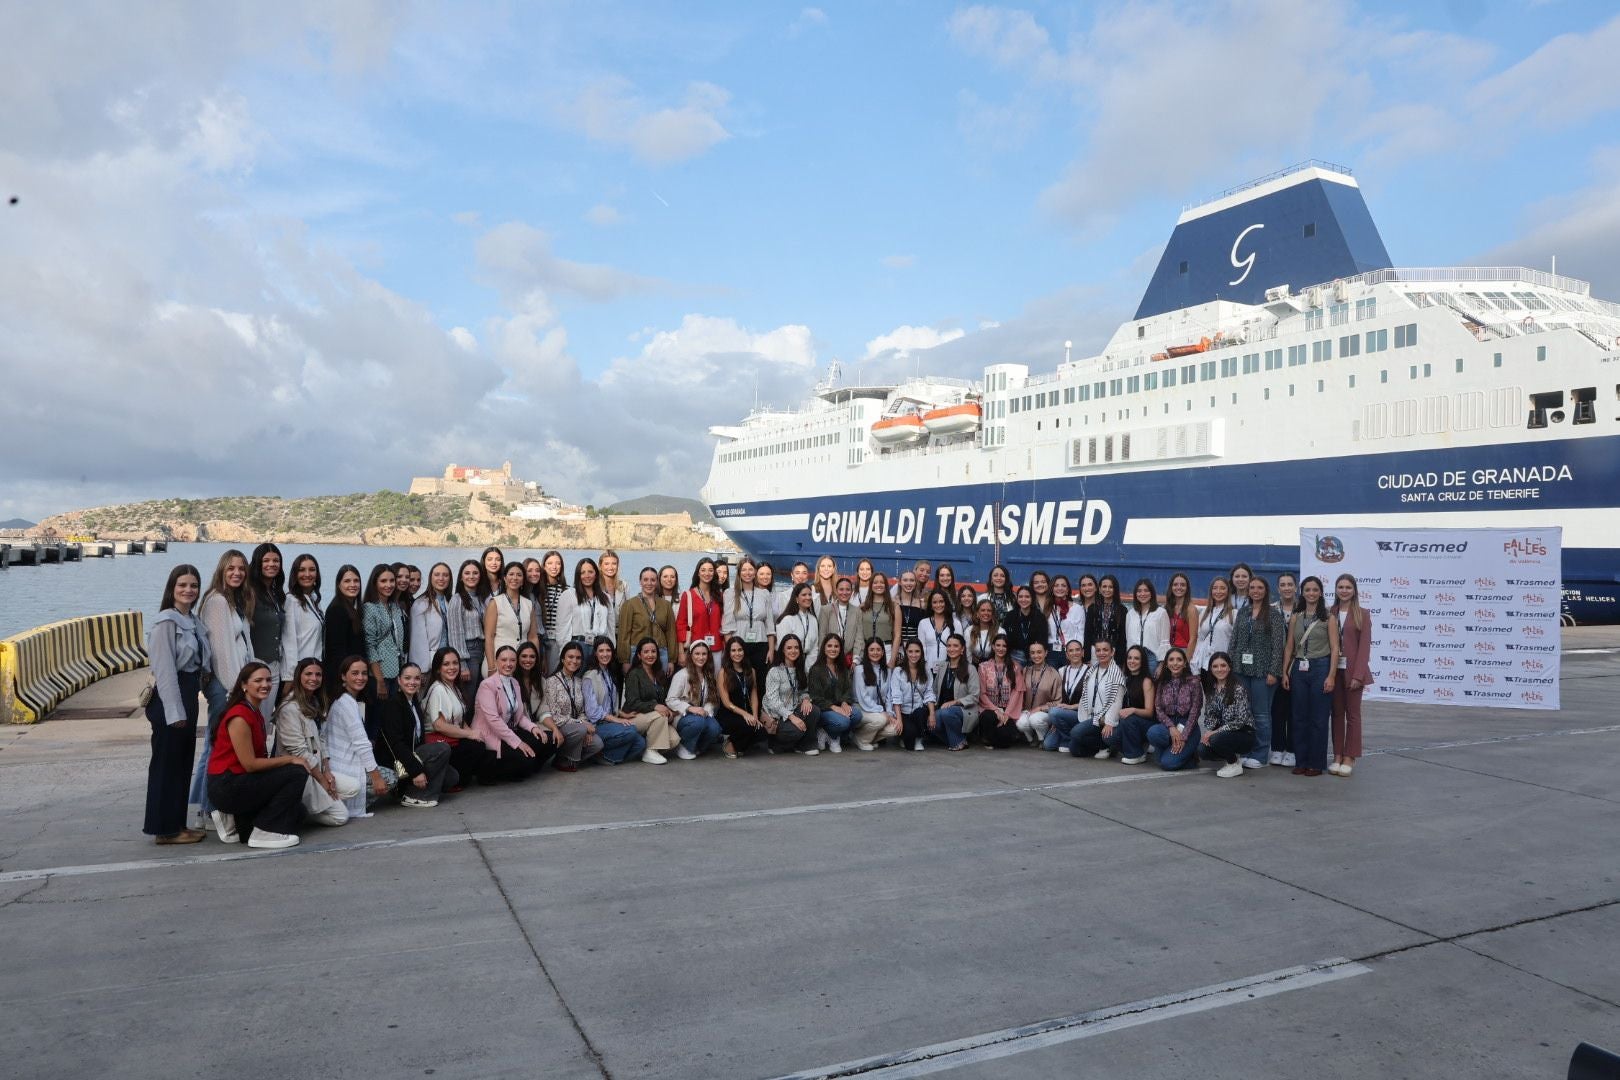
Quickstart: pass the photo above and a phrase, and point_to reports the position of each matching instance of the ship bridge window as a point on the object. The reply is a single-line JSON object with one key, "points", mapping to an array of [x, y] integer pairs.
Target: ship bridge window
{"points": [[1229, 366], [1189, 373], [1367, 309], [1531, 301], [1296, 355], [1169, 377], [1114, 385], [1206, 370], [1377, 340], [1068, 395], [1321, 350], [1085, 393], [1274, 359], [1150, 381], [1406, 336], [1350, 345], [1502, 300], [1339, 314], [1313, 319], [1133, 384]]}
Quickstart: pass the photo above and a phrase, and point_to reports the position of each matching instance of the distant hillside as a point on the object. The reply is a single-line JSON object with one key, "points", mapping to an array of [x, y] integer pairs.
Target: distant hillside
{"points": [[16, 523], [664, 504], [383, 518]]}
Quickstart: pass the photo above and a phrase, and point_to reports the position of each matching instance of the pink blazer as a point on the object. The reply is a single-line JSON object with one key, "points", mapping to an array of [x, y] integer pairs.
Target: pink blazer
{"points": [[489, 715], [989, 673], [1355, 644]]}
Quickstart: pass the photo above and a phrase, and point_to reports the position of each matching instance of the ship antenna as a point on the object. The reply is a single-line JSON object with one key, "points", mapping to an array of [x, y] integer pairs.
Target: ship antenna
{"points": [[1067, 345]]}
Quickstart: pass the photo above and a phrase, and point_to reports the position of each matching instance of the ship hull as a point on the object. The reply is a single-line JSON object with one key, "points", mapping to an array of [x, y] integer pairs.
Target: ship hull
{"points": [[1202, 520]]}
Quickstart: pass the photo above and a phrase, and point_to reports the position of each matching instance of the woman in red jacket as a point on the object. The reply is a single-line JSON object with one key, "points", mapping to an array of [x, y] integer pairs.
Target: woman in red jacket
{"points": [[1355, 653], [700, 613], [245, 787]]}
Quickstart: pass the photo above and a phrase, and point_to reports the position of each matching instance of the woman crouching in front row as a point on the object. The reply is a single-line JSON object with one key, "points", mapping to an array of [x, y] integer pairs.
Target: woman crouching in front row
{"points": [[1228, 722], [248, 789]]}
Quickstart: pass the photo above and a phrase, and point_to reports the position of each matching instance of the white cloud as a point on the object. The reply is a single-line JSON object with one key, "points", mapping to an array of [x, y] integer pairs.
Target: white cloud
{"points": [[899, 262], [468, 218], [1566, 81], [1580, 229], [611, 111], [906, 340], [464, 339], [809, 19], [603, 214], [518, 257]]}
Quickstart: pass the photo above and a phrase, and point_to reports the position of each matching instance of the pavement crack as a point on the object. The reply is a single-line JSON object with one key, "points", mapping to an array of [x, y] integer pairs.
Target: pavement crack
{"points": [[573, 1019], [20, 897]]}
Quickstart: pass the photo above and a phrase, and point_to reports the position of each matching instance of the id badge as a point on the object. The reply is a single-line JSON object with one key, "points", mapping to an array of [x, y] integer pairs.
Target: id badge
{"points": [[1305, 666], [1344, 662], [1247, 658], [751, 636]]}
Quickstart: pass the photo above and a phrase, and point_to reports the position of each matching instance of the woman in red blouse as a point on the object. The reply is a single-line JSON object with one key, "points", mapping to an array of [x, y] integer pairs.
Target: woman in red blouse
{"points": [[700, 612], [247, 788]]}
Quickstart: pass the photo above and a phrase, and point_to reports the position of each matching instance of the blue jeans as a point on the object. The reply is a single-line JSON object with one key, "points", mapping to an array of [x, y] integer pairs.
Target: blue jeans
{"points": [[697, 732], [1132, 730], [1313, 706], [620, 742], [1159, 736], [950, 725], [1260, 702], [837, 725], [216, 693], [1062, 721]]}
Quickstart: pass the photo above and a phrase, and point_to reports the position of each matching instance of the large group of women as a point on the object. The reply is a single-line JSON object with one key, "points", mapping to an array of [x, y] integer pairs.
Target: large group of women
{"points": [[407, 687]]}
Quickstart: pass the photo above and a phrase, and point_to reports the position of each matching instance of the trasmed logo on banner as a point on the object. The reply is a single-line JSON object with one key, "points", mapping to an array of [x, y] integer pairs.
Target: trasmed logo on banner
{"points": [[1458, 616]]}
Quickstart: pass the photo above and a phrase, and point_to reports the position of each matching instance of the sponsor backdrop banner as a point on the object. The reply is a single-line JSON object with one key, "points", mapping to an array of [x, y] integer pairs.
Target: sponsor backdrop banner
{"points": [[1459, 616]]}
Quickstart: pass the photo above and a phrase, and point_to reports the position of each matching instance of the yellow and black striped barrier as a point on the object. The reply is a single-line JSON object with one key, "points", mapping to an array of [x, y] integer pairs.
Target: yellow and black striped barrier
{"points": [[40, 669]]}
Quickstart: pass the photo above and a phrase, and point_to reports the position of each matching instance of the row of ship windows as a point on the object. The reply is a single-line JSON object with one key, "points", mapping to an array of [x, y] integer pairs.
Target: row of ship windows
{"points": [[1339, 314], [1373, 341], [751, 453]]}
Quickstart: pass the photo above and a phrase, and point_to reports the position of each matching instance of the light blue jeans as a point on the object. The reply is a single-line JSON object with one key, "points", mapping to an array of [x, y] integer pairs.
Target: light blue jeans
{"points": [[698, 732], [216, 694], [1159, 735], [1062, 721], [837, 725], [950, 725], [1260, 701]]}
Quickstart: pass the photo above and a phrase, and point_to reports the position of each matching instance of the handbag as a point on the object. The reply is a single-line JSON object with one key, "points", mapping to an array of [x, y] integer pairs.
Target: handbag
{"points": [[144, 698]]}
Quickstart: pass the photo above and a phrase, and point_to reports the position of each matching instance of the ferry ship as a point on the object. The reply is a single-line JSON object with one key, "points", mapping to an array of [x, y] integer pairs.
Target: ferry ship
{"points": [[1279, 373]]}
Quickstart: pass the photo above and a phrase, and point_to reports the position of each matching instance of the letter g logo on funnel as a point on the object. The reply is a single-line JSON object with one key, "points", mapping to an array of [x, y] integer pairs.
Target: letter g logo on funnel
{"points": [[1246, 265]]}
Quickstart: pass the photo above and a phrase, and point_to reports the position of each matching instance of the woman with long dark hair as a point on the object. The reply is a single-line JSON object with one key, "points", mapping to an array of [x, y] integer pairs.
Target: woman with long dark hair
{"points": [[501, 719], [1216, 621], [564, 706], [177, 648], [700, 615], [1355, 653], [585, 612], [298, 733], [1259, 635], [694, 698], [248, 788], [268, 619], [345, 627], [423, 768], [832, 690], [1105, 620], [739, 712], [750, 614], [911, 696], [509, 617], [880, 618], [1024, 624], [1147, 624], [464, 633], [493, 563], [999, 591], [1136, 709], [983, 629], [643, 705], [1227, 722], [1281, 750], [430, 616], [799, 617], [1178, 605], [385, 630], [1310, 668], [956, 692], [939, 625], [348, 741], [1001, 696], [449, 718], [553, 584], [870, 684], [604, 697], [790, 715], [1178, 704], [303, 627]]}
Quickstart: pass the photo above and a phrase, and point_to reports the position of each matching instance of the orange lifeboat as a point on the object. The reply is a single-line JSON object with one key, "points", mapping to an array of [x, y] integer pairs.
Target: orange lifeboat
{"points": [[1201, 345], [898, 430], [953, 419]]}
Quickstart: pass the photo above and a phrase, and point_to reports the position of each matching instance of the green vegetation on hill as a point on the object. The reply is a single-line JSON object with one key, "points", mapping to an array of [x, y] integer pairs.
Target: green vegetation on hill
{"points": [[327, 514], [663, 504]]}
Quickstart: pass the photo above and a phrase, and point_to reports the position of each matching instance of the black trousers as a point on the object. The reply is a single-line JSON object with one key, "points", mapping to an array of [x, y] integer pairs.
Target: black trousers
{"points": [[1227, 746], [544, 750], [470, 758], [914, 725], [739, 731], [755, 651], [995, 733], [168, 777], [1282, 719], [272, 800], [788, 737]]}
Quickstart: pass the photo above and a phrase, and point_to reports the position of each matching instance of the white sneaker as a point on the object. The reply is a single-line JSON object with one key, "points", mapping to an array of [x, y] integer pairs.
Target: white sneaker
{"points": [[424, 804], [1226, 772], [1287, 759], [812, 752], [1277, 758], [916, 744], [1333, 767], [683, 753], [1064, 749], [835, 746], [261, 839], [653, 757], [821, 739], [225, 827], [861, 744], [1252, 763], [1104, 754], [1133, 760]]}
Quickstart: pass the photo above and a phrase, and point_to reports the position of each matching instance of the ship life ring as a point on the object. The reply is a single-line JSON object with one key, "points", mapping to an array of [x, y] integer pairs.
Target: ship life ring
{"points": [[1527, 323]]}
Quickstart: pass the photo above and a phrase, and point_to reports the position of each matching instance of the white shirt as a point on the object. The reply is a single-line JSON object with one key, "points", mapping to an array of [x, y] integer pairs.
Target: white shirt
{"points": [[750, 614], [589, 619], [806, 627], [1151, 631], [429, 623], [933, 641], [303, 634], [1214, 635]]}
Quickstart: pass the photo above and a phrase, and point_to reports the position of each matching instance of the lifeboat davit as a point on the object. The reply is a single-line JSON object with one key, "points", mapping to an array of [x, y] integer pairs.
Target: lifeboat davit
{"points": [[898, 430], [953, 419]]}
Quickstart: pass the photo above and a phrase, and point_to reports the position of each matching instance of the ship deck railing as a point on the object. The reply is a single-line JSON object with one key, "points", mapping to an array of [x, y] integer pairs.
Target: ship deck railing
{"points": [[1472, 274]]}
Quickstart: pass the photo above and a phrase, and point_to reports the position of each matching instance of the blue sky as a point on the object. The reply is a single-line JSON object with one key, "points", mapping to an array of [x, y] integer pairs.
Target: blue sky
{"points": [[524, 224]]}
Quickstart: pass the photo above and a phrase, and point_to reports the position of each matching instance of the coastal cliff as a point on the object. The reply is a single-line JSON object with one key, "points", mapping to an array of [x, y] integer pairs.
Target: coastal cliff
{"points": [[385, 518]]}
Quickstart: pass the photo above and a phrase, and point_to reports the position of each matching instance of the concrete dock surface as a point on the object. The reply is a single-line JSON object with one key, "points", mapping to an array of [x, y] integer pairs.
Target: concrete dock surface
{"points": [[1452, 909]]}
